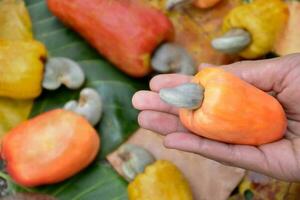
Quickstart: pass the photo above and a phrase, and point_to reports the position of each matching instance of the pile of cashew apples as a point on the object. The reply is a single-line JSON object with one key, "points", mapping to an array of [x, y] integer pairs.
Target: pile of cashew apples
{"points": [[140, 41]]}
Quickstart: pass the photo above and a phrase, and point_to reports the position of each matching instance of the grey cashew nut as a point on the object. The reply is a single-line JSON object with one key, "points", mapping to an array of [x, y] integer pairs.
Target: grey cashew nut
{"points": [[135, 159], [171, 57], [171, 4], [89, 105], [233, 41], [64, 71], [189, 95]]}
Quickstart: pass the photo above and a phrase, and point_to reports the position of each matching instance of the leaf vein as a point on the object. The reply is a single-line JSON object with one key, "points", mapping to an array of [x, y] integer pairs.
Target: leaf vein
{"points": [[66, 46], [97, 82], [45, 20], [44, 35], [92, 188], [34, 4]]}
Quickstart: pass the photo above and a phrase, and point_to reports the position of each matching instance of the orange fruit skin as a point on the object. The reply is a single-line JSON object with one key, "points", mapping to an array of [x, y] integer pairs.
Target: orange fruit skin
{"points": [[49, 148], [233, 111], [126, 32]]}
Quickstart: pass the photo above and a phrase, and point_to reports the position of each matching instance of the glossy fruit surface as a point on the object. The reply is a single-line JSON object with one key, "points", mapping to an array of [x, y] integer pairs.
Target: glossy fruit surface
{"points": [[234, 111], [49, 148]]}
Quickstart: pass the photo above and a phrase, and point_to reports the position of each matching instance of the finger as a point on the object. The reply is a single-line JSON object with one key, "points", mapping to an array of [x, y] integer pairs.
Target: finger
{"points": [[168, 80], [247, 157], [268, 74], [147, 100], [162, 123]]}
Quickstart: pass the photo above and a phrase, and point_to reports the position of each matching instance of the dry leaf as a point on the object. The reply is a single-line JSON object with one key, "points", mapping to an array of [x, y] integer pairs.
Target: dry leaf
{"points": [[264, 187], [195, 28], [209, 180]]}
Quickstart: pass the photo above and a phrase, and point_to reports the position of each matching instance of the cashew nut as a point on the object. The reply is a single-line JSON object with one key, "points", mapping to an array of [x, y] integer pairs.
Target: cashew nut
{"points": [[171, 57], [89, 105], [189, 95], [232, 41], [135, 159], [171, 4], [65, 71]]}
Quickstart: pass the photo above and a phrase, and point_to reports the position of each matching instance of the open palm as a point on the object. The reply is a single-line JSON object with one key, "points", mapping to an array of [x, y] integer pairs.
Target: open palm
{"points": [[280, 159]]}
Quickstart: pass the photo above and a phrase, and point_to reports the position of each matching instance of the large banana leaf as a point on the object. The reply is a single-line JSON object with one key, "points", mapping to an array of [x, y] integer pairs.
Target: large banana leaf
{"points": [[116, 89], [99, 181]]}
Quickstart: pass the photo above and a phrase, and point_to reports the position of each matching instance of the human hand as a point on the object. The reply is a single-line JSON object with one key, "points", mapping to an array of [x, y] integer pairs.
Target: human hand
{"points": [[280, 159]]}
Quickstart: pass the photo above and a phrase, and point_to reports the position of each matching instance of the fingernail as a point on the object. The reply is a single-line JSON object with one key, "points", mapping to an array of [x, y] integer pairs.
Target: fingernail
{"points": [[135, 100], [141, 120], [139, 98]]}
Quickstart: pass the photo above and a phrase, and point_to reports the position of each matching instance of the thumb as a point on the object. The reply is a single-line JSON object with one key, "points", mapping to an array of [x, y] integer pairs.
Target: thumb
{"points": [[268, 74]]}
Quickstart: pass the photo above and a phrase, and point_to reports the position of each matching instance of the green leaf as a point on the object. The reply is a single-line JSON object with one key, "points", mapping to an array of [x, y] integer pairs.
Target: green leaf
{"points": [[248, 195], [98, 181], [119, 118], [10, 187]]}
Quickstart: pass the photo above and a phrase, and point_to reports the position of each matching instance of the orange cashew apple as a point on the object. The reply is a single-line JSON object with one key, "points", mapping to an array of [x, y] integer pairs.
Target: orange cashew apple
{"points": [[220, 106], [49, 148]]}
